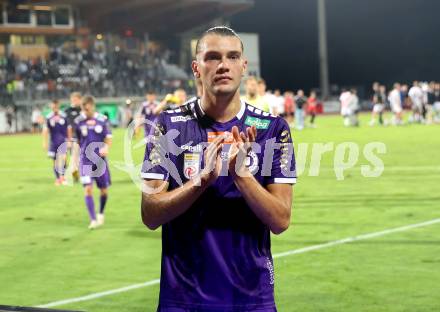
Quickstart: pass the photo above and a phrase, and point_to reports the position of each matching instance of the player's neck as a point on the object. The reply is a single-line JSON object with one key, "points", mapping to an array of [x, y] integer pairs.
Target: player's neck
{"points": [[221, 108]]}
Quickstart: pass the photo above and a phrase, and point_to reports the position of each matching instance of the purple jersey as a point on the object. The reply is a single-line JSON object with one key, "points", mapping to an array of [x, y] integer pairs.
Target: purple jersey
{"points": [[147, 110], [216, 256], [91, 133], [57, 125]]}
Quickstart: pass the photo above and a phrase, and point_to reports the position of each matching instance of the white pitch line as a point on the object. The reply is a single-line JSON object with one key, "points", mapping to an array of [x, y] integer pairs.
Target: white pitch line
{"points": [[100, 294], [277, 255]]}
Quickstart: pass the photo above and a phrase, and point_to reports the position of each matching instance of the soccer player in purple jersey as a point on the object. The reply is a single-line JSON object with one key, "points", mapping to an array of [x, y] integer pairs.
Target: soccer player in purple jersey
{"points": [[218, 202], [94, 135], [56, 127], [148, 111]]}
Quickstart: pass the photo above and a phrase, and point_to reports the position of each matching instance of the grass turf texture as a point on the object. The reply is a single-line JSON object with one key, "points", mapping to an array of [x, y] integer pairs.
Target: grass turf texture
{"points": [[48, 254]]}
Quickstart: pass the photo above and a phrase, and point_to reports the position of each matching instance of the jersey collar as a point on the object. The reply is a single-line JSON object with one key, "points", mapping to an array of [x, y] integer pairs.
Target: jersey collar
{"points": [[202, 114]]}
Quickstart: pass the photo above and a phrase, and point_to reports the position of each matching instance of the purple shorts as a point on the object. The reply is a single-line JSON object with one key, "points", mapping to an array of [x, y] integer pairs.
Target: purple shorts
{"points": [[56, 147], [90, 172], [173, 309]]}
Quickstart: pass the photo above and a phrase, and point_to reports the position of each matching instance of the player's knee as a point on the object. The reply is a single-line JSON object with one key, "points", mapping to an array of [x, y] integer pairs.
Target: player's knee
{"points": [[88, 191]]}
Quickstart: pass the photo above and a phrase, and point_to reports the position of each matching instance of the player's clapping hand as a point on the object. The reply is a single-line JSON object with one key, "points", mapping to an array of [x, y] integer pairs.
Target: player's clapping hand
{"points": [[239, 149], [103, 151], [212, 160]]}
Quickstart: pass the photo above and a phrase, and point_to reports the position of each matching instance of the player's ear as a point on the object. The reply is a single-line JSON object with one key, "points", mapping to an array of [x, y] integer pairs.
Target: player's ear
{"points": [[195, 69], [245, 64]]}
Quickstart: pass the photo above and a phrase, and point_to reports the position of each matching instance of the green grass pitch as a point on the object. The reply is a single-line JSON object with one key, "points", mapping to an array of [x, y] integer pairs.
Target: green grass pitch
{"points": [[48, 254]]}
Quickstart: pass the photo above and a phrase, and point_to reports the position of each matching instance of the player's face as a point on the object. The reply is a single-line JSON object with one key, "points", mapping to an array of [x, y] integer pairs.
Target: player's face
{"points": [[261, 88], [181, 96], [220, 64], [55, 107], [151, 97], [75, 100], [88, 108], [251, 87]]}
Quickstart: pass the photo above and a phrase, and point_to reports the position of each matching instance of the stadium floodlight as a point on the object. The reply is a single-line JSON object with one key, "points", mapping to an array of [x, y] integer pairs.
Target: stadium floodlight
{"points": [[323, 58]]}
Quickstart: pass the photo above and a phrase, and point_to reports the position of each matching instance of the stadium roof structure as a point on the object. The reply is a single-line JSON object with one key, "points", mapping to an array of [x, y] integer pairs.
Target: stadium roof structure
{"points": [[152, 16]]}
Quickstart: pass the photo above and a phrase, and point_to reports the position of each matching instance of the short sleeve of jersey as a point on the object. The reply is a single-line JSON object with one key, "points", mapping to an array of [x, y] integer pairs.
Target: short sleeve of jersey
{"points": [[107, 131], [283, 164], [154, 166]]}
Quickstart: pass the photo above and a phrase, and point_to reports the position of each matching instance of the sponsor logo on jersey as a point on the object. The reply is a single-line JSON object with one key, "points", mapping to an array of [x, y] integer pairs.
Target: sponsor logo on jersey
{"points": [[213, 135], [191, 164], [193, 149], [181, 118], [257, 122]]}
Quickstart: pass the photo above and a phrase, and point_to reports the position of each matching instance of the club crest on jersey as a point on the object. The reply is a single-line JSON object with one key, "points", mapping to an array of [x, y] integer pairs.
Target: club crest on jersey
{"points": [[191, 165], [251, 162], [98, 129], [257, 122], [61, 121]]}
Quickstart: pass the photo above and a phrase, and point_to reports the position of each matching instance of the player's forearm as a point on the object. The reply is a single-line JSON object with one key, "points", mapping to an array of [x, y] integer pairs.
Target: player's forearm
{"points": [[158, 209], [69, 134], [108, 142], [45, 138], [270, 209]]}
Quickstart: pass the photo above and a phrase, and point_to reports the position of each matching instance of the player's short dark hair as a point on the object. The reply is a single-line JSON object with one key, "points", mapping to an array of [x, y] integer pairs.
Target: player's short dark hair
{"points": [[224, 31], [88, 99], [55, 101]]}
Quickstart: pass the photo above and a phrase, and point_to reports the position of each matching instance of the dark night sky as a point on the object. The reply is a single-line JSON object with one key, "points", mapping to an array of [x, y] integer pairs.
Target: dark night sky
{"points": [[384, 40]]}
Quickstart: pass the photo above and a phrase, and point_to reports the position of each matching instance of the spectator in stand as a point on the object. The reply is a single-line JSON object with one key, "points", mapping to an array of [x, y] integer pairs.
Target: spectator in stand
{"points": [[436, 106]]}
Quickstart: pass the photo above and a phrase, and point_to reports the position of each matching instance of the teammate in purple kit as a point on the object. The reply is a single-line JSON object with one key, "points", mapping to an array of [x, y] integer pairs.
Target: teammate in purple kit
{"points": [[148, 111], [218, 204], [94, 135], [56, 127]]}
